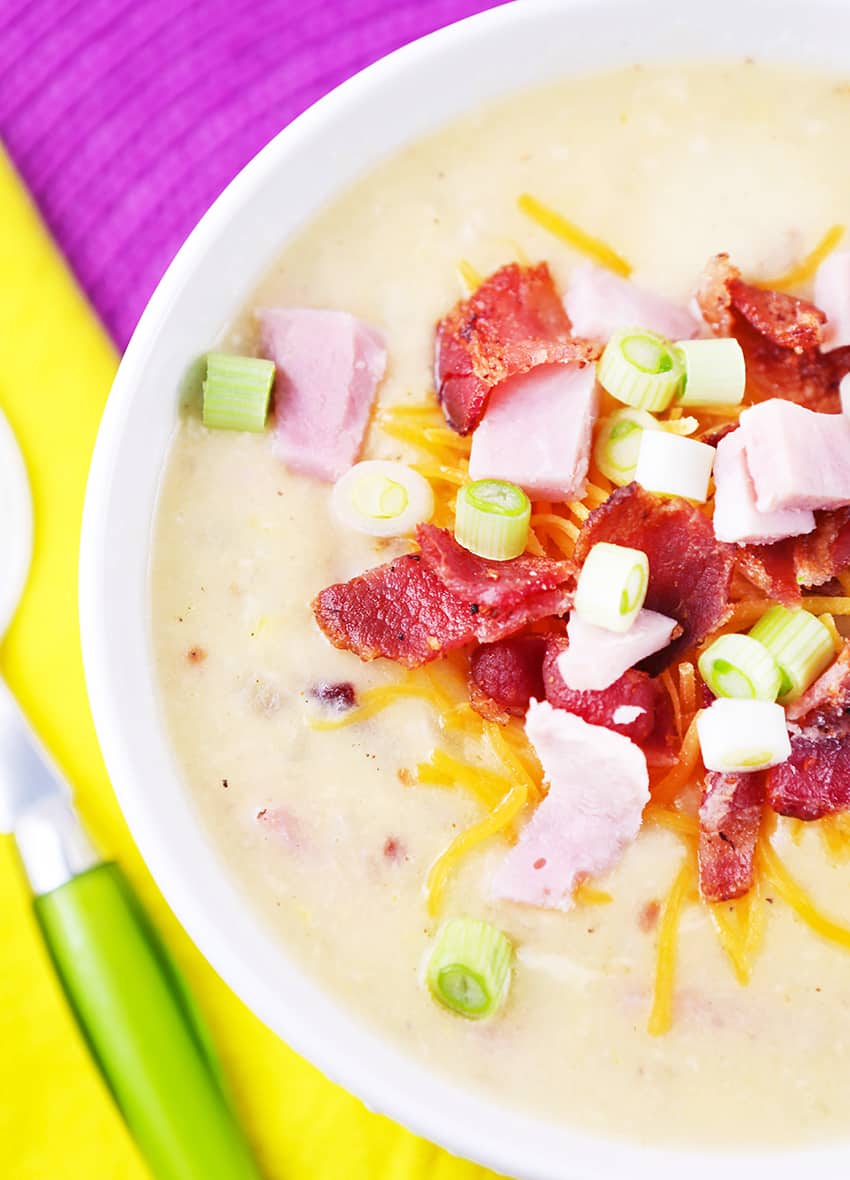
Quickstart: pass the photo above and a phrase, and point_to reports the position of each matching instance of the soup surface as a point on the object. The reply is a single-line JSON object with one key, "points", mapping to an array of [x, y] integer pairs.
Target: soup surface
{"points": [[328, 831]]}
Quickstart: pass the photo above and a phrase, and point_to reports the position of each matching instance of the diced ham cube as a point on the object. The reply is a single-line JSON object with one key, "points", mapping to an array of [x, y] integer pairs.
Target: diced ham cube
{"points": [[600, 303], [736, 515], [596, 658], [536, 431], [832, 296], [797, 459], [598, 788], [329, 365]]}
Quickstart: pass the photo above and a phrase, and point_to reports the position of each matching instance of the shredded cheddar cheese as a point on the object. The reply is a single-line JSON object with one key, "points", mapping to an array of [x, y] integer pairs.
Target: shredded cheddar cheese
{"points": [[587, 894], [661, 1015], [684, 770], [739, 925], [573, 235], [500, 818], [806, 267], [829, 622], [469, 277], [794, 895], [673, 693]]}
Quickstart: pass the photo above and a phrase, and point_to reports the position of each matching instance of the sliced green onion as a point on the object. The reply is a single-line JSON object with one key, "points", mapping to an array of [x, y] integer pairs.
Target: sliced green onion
{"points": [[469, 968], [799, 643], [492, 519], [674, 466], [612, 586], [382, 498], [618, 443], [740, 666], [237, 391], [737, 736], [715, 372], [641, 369]]}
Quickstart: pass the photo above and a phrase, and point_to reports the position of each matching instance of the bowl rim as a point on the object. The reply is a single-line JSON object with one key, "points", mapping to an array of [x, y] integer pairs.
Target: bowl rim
{"points": [[344, 1049]]}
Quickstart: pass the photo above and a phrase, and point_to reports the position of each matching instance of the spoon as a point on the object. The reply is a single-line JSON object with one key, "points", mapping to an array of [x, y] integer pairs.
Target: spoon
{"points": [[133, 1007]]}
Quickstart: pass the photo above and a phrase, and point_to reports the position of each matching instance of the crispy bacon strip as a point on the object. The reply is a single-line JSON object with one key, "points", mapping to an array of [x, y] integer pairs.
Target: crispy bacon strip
{"points": [[504, 676], [780, 336], [729, 820], [634, 693], [825, 706], [780, 570], [689, 570], [489, 583], [814, 781], [408, 611], [512, 323]]}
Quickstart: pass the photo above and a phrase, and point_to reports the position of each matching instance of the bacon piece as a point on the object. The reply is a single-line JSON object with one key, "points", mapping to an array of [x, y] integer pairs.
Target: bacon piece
{"points": [[689, 570], [825, 705], [825, 552], [504, 676], [772, 569], [512, 323], [405, 611], [780, 570], [780, 336], [729, 821], [489, 583], [634, 693], [814, 781], [400, 610]]}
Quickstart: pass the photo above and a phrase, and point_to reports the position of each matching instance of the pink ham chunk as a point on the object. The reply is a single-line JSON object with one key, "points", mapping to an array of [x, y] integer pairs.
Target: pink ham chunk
{"points": [[797, 458], [598, 788], [596, 658], [736, 515], [600, 303], [536, 431], [832, 296], [328, 368]]}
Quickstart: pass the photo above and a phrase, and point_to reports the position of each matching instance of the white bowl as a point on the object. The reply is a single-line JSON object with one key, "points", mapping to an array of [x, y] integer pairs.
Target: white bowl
{"points": [[401, 97]]}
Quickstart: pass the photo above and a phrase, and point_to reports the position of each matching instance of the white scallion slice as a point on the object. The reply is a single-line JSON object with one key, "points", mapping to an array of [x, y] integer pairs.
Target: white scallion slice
{"points": [[469, 968], [492, 519], [382, 498], [737, 736], [612, 586], [740, 666], [799, 643], [641, 369], [237, 391], [674, 466], [715, 372], [618, 443]]}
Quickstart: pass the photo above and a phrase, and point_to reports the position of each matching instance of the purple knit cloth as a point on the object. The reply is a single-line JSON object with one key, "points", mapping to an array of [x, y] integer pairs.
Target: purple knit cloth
{"points": [[126, 118]]}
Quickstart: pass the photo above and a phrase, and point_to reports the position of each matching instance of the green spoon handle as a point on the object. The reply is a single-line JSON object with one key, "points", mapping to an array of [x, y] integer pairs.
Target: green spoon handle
{"points": [[143, 1029]]}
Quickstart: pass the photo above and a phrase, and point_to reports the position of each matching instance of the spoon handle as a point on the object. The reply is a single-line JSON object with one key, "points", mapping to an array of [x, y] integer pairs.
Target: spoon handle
{"points": [[143, 1028]]}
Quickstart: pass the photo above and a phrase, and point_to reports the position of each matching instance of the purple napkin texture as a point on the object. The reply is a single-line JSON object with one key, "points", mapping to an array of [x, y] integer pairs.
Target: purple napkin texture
{"points": [[126, 118]]}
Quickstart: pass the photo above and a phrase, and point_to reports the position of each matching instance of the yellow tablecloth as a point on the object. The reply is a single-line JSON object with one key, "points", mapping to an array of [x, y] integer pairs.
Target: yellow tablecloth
{"points": [[57, 1121]]}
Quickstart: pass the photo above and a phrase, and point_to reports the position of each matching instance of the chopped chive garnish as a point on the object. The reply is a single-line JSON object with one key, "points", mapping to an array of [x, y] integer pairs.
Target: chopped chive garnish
{"points": [[799, 643], [469, 967], [737, 736], [492, 519], [618, 443], [641, 369], [715, 372], [382, 498], [237, 391], [612, 586], [740, 666]]}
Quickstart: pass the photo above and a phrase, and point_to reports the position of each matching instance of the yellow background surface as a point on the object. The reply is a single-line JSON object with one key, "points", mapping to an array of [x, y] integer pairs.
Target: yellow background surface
{"points": [[57, 1121]]}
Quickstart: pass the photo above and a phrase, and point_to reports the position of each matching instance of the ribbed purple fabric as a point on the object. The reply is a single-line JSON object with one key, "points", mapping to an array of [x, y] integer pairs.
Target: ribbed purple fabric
{"points": [[126, 118]]}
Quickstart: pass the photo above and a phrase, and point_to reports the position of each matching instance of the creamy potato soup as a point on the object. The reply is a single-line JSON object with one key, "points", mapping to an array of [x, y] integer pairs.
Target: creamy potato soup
{"points": [[333, 785]]}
